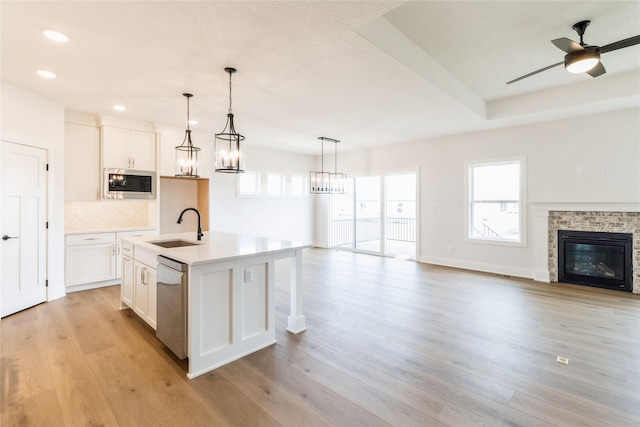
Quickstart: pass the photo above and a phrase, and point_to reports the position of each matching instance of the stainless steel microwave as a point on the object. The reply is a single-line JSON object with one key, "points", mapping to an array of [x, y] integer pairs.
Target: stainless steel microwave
{"points": [[129, 184]]}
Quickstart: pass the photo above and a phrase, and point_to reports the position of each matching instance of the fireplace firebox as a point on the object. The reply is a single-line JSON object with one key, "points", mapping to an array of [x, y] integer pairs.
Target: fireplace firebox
{"points": [[603, 260]]}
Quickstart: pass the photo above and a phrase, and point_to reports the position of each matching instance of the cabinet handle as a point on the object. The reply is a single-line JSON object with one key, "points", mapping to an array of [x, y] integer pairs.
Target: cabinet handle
{"points": [[142, 275], [118, 246], [90, 238], [133, 163], [113, 250]]}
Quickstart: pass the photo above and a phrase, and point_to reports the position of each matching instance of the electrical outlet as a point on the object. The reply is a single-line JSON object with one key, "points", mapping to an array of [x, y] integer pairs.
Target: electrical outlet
{"points": [[604, 169], [248, 275], [563, 360], [450, 249]]}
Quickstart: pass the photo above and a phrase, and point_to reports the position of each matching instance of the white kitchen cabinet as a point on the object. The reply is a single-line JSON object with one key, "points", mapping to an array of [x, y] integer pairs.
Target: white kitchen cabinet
{"points": [[123, 250], [127, 284], [128, 149], [90, 258], [144, 278], [82, 162]]}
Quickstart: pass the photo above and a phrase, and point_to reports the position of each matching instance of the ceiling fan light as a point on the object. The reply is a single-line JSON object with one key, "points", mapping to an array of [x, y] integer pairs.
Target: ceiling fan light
{"points": [[581, 62]]}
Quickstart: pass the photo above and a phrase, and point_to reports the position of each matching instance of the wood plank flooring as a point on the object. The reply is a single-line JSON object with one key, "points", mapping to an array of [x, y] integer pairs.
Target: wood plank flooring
{"points": [[389, 343]]}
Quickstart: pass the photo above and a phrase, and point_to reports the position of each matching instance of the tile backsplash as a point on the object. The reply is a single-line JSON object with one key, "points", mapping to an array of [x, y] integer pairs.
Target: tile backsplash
{"points": [[107, 215]]}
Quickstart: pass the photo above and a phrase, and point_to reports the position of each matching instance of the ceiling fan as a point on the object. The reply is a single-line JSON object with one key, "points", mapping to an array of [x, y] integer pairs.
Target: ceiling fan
{"points": [[581, 57]]}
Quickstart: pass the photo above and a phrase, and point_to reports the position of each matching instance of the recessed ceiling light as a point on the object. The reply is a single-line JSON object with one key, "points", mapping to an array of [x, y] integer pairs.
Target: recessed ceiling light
{"points": [[119, 107], [55, 35], [46, 74], [193, 122]]}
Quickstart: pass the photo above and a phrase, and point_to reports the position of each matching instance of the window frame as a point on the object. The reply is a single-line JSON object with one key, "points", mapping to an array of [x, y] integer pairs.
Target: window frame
{"points": [[262, 184], [522, 203]]}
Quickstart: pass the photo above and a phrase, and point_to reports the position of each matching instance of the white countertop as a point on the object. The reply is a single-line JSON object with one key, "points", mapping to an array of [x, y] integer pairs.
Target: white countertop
{"points": [[107, 230], [214, 246]]}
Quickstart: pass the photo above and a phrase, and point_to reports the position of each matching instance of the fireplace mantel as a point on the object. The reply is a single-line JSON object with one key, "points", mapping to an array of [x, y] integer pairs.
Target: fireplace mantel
{"points": [[544, 238]]}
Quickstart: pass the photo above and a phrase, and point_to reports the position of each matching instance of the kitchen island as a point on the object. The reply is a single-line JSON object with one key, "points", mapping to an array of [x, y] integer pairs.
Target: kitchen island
{"points": [[230, 292]]}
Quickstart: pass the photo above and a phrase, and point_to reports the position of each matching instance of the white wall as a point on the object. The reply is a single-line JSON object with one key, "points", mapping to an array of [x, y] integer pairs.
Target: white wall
{"points": [[287, 218], [565, 162], [29, 119]]}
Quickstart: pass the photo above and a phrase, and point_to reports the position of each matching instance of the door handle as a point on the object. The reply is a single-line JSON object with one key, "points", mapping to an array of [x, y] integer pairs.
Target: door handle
{"points": [[5, 237]]}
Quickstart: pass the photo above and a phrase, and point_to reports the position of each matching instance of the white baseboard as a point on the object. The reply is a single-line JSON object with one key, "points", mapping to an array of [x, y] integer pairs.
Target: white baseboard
{"points": [[88, 286], [478, 266]]}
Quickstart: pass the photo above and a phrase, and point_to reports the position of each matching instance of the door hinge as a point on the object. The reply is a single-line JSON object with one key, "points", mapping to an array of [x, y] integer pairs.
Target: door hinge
{"points": [[46, 283], [46, 225], [47, 166]]}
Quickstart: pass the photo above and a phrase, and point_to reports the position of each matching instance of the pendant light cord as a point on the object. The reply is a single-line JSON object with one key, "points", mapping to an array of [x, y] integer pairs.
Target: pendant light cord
{"points": [[188, 113], [322, 155], [230, 111]]}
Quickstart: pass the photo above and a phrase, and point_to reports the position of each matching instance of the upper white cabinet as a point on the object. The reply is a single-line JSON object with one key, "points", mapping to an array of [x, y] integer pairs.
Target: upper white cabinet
{"points": [[128, 149], [82, 162]]}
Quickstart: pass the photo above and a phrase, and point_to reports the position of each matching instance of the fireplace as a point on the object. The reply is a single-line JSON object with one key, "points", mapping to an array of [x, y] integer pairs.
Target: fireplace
{"points": [[599, 259]]}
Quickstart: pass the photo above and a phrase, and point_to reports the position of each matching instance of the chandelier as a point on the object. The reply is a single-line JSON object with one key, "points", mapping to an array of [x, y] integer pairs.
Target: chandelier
{"points": [[187, 153], [229, 145], [325, 182]]}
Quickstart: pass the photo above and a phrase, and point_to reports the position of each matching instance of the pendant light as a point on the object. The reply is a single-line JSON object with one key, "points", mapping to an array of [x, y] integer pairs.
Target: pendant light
{"points": [[328, 182], [229, 145], [187, 153]]}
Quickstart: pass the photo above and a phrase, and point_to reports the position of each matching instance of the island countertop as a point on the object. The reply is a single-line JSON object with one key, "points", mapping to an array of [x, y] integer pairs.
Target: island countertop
{"points": [[214, 246]]}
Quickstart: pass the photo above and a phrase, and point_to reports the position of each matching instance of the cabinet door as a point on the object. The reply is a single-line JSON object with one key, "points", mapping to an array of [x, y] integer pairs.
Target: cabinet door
{"points": [[90, 263], [151, 297], [141, 297], [127, 284], [115, 148], [143, 150], [82, 162]]}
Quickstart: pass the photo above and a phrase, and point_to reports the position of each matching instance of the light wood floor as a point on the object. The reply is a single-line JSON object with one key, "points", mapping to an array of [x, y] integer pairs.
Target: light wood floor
{"points": [[389, 342]]}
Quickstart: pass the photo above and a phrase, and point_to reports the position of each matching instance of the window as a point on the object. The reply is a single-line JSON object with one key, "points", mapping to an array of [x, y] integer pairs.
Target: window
{"points": [[249, 183], [298, 185], [275, 184], [495, 201]]}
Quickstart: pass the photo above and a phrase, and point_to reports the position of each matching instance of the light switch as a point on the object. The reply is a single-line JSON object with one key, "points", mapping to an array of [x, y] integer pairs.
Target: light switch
{"points": [[248, 275]]}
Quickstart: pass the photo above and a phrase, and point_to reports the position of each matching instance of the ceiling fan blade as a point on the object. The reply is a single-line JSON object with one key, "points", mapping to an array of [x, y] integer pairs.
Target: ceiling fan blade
{"points": [[567, 45], [597, 70], [535, 72], [620, 44]]}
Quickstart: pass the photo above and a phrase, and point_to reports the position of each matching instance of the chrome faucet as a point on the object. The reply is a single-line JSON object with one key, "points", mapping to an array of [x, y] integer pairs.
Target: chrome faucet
{"points": [[200, 234]]}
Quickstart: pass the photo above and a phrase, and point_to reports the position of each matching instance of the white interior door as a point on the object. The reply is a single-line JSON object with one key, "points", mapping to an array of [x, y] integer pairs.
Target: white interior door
{"points": [[23, 228]]}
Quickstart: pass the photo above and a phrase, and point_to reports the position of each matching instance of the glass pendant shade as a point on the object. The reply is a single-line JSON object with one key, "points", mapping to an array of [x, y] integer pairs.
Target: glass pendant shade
{"points": [[325, 182], [229, 144], [229, 149], [187, 153]]}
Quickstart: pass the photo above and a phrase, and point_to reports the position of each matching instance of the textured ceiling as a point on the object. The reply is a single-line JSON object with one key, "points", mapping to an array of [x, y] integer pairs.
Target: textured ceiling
{"points": [[367, 73]]}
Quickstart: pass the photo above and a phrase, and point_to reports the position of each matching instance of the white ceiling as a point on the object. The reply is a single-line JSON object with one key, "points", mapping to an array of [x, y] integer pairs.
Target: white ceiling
{"points": [[367, 73]]}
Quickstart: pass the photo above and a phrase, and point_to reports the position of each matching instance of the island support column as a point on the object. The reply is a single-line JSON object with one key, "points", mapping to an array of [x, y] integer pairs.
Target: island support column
{"points": [[296, 321]]}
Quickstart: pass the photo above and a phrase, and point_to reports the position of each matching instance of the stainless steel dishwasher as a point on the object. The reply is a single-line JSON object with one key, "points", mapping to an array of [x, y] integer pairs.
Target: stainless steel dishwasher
{"points": [[171, 322]]}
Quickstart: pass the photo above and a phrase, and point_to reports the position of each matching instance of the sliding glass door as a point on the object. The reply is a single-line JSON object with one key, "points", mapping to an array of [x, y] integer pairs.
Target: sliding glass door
{"points": [[368, 214], [376, 215], [400, 229]]}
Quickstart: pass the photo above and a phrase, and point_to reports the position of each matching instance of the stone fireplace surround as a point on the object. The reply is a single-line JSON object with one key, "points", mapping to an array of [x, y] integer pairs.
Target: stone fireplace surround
{"points": [[614, 218]]}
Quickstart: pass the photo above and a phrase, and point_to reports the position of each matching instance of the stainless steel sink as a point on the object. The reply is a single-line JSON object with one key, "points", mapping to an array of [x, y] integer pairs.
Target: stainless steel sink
{"points": [[179, 243]]}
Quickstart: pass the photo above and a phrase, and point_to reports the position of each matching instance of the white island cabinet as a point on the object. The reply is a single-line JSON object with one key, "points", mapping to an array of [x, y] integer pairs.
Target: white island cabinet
{"points": [[230, 293]]}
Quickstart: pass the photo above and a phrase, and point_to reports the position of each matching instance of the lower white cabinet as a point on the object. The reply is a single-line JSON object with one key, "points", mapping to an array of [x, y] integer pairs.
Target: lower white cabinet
{"points": [[139, 285], [144, 303], [95, 259], [90, 258], [127, 284]]}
